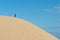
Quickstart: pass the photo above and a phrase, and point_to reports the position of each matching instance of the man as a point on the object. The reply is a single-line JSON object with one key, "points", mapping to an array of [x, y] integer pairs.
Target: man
{"points": [[15, 15]]}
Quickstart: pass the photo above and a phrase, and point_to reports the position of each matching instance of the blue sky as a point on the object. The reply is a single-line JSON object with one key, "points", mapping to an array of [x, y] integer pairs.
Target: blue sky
{"points": [[43, 13]]}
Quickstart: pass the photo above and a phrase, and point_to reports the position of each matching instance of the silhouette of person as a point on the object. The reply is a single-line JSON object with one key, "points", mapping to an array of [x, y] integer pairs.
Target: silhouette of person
{"points": [[15, 15]]}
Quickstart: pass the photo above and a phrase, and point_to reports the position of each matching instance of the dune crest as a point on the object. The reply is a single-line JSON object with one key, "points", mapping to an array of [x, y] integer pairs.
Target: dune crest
{"points": [[17, 29]]}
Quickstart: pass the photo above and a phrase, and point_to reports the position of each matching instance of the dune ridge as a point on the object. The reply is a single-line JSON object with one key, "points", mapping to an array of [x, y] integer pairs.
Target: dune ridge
{"points": [[12, 28]]}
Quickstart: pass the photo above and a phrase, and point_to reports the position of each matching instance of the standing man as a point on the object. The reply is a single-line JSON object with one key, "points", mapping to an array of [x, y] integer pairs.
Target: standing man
{"points": [[15, 15]]}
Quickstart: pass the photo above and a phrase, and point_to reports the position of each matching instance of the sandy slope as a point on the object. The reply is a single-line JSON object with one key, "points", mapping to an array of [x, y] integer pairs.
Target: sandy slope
{"points": [[16, 29]]}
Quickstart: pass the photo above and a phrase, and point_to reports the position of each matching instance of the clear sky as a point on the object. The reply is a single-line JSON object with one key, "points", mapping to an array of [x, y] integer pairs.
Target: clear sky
{"points": [[43, 13]]}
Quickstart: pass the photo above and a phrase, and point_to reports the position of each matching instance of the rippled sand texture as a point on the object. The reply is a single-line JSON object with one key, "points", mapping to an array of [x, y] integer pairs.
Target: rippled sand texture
{"points": [[17, 29]]}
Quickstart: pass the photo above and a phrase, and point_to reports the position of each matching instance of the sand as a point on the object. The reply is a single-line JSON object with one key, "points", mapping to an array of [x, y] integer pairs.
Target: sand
{"points": [[17, 29]]}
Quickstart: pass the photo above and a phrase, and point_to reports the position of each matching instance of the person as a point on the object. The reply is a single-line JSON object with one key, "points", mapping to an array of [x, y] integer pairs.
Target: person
{"points": [[15, 15]]}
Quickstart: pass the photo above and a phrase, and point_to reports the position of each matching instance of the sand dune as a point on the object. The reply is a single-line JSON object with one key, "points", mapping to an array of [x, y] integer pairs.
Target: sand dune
{"points": [[17, 29]]}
